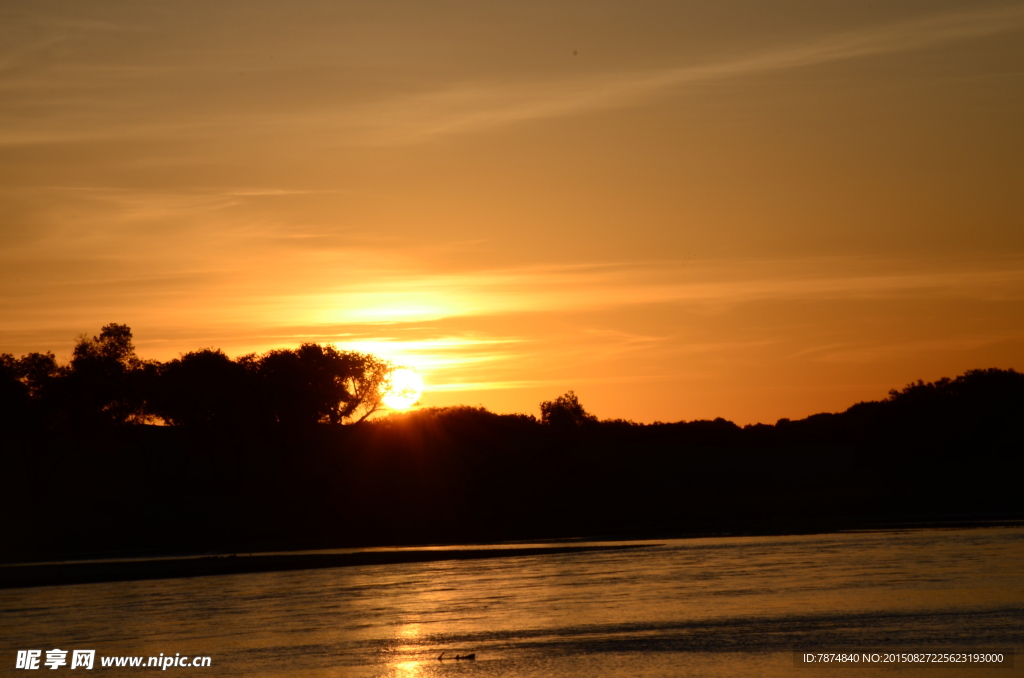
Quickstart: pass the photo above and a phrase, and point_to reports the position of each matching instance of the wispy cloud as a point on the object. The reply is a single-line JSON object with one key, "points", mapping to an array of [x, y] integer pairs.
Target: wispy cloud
{"points": [[473, 107], [361, 286], [873, 352], [424, 297], [102, 101], [488, 385]]}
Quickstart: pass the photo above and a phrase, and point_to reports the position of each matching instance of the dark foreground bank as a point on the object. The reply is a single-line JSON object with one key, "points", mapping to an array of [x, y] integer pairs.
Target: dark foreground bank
{"points": [[933, 453]]}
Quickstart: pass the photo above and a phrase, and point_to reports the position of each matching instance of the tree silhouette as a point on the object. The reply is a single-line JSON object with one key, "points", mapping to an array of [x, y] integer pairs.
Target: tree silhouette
{"points": [[295, 387], [37, 371], [366, 386], [14, 393], [565, 410], [106, 379], [207, 388], [320, 383]]}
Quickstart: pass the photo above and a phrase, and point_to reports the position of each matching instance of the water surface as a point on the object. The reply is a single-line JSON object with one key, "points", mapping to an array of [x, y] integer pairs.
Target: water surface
{"points": [[698, 607]]}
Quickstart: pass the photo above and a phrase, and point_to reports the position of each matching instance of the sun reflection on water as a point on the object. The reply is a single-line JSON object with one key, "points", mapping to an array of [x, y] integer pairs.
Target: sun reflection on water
{"points": [[407, 669]]}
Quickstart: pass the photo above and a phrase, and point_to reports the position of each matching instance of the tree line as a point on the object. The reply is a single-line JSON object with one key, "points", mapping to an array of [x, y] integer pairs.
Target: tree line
{"points": [[253, 459], [107, 383]]}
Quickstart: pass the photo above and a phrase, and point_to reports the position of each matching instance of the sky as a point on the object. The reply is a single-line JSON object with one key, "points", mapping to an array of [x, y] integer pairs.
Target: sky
{"points": [[679, 210]]}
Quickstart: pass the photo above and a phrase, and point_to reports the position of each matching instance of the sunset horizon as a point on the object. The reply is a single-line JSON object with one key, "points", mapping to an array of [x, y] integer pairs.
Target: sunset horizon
{"points": [[680, 212]]}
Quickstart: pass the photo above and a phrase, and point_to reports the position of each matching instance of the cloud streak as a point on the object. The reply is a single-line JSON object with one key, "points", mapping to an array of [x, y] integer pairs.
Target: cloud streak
{"points": [[101, 101], [472, 107], [410, 298]]}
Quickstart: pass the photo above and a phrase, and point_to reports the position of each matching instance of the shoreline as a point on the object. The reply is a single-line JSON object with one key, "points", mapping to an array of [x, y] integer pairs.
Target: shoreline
{"points": [[15, 575], [107, 571]]}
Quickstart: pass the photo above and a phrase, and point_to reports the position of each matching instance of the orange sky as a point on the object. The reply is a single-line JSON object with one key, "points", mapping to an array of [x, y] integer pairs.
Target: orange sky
{"points": [[680, 210]]}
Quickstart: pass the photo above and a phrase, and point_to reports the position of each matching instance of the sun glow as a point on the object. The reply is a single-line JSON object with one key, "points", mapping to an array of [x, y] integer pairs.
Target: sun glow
{"points": [[404, 389]]}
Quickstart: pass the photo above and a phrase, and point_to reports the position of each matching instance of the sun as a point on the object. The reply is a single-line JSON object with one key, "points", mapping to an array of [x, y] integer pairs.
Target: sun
{"points": [[404, 390]]}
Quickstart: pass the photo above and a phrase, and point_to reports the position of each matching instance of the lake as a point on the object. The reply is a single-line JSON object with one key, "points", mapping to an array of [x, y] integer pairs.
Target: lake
{"points": [[738, 606]]}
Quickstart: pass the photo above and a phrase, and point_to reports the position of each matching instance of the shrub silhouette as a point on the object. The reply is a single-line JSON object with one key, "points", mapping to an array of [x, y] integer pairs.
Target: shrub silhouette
{"points": [[565, 410]]}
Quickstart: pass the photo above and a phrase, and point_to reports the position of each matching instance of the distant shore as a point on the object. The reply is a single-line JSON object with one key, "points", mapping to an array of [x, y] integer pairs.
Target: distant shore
{"points": [[91, 572]]}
